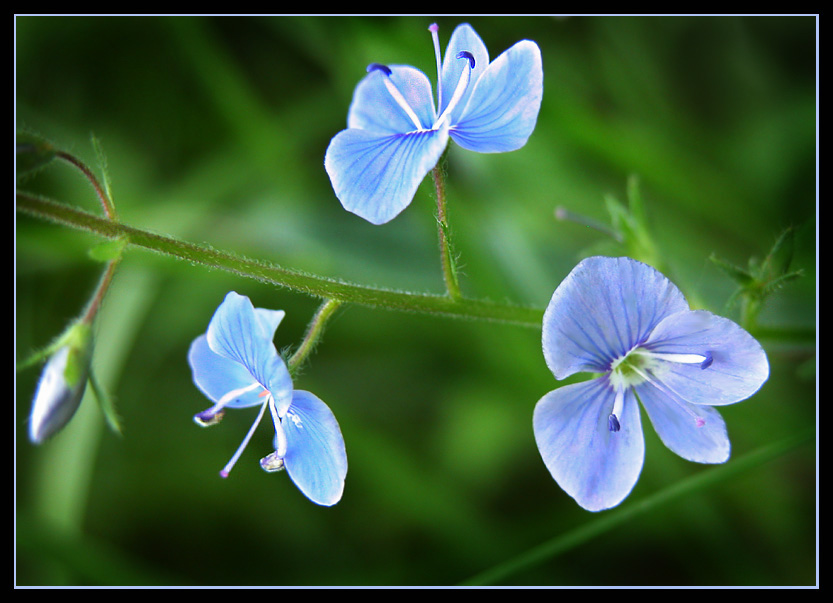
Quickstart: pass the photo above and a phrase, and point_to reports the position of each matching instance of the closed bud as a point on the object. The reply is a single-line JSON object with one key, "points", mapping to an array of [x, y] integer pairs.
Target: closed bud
{"points": [[61, 385]]}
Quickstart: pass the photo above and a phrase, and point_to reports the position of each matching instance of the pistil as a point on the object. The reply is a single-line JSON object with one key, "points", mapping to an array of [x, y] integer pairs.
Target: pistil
{"points": [[433, 28]]}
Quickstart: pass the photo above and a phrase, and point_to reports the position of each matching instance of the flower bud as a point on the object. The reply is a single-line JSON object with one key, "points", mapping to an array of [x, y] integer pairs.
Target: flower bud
{"points": [[61, 385]]}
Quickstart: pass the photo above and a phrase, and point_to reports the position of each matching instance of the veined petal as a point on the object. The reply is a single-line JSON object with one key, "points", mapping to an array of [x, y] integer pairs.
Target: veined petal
{"points": [[601, 310], [596, 466], [238, 333], [374, 109], [269, 320], [695, 432], [375, 176], [216, 376], [315, 459], [503, 106], [738, 368], [464, 38]]}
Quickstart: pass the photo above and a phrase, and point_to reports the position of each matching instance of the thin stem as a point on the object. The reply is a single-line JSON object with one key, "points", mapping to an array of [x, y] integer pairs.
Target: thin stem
{"points": [[101, 291], [452, 285], [311, 284], [106, 203], [612, 519], [313, 334]]}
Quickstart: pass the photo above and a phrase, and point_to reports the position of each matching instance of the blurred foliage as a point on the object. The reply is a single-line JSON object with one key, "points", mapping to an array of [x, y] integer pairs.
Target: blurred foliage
{"points": [[214, 131]]}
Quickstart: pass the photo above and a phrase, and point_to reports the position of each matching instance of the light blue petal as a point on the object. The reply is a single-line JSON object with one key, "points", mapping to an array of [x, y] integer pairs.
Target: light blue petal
{"points": [[739, 364], [376, 176], [594, 465], [466, 39], [216, 375], [315, 459], [238, 333], [374, 109], [601, 310], [269, 320], [695, 432], [502, 110]]}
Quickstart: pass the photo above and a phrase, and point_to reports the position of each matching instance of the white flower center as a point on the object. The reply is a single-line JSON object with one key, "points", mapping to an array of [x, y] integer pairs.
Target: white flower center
{"points": [[640, 365]]}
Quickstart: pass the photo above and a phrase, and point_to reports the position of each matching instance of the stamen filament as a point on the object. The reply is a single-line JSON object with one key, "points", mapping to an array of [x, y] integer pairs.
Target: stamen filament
{"points": [[280, 436], [229, 396], [684, 358], [698, 421], [396, 94], [462, 84], [227, 469]]}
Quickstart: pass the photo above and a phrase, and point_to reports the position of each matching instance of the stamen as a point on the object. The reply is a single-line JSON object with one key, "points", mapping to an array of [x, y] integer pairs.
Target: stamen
{"points": [[704, 361], [433, 28], [227, 469], [272, 463], [618, 406], [379, 67], [395, 93], [228, 397], [210, 416], [465, 54], [213, 415], [462, 84]]}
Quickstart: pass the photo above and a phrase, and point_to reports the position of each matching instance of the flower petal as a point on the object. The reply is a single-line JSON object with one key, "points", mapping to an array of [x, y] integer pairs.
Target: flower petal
{"points": [[594, 465], [240, 334], [464, 38], [739, 364], [601, 310], [269, 320], [695, 432], [374, 109], [502, 110], [315, 459], [216, 376], [376, 176]]}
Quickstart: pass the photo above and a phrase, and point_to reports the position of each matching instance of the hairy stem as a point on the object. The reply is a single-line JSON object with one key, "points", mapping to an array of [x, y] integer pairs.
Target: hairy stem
{"points": [[447, 259], [313, 334], [311, 284]]}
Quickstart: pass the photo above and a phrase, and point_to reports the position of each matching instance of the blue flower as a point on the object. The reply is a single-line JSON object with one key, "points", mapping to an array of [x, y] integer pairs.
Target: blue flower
{"points": [[236, 365], [624, 320], [395, 134]]}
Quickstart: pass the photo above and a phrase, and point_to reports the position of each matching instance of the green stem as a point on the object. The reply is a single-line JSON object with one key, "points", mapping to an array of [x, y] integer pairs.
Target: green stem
{"points": [[612, 519], [313, 334], [452, 285], [106, 203], [310, 284]]}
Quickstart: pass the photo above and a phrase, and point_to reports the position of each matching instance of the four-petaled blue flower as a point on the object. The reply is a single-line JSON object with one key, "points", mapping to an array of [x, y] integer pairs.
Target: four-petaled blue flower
{"points": [[625, 320], [395, 134], [236, 365]]}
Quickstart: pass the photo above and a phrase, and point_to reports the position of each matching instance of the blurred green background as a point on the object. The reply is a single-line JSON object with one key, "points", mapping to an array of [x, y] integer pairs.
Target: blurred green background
{"points": [[214, 131]]}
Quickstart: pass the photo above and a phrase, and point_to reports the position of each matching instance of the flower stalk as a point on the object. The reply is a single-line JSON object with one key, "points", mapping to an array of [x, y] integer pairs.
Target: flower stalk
{"points": [[447, 259], [313, 335]]}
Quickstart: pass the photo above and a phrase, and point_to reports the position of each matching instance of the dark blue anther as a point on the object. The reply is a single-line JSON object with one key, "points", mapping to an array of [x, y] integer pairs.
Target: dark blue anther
{"points": [[465, 54], [708, 361], [613, 423], [379, 67]]}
